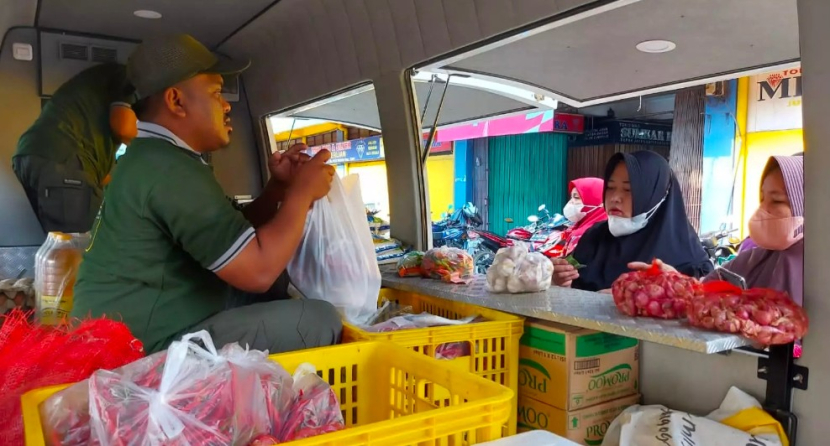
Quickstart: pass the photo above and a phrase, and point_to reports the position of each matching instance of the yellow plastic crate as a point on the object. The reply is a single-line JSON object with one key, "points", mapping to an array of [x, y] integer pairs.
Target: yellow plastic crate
{"points": [[381, 388], [494, 345]]}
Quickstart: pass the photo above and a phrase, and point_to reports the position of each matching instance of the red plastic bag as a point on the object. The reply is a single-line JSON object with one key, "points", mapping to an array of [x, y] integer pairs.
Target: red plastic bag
{"points": [[33, 356], [654, 293], [316, 410], [766, 316], [450, 265]]}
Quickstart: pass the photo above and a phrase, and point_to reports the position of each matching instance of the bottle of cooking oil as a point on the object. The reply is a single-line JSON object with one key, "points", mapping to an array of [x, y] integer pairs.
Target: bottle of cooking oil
{"points": [[58, 267], [50, 240]]}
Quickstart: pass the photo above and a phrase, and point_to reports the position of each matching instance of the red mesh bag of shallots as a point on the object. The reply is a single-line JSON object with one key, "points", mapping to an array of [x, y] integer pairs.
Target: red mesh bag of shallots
{"points": [[655, 293], [34, 356], [766, 316]]}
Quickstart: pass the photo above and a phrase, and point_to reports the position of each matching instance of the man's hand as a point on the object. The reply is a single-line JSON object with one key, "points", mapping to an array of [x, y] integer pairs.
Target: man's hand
{"points": [[284, 166], [314, 177]]}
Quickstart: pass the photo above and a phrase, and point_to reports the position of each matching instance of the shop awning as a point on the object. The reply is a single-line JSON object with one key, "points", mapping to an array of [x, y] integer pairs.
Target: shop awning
{"points": [[462, 104]]}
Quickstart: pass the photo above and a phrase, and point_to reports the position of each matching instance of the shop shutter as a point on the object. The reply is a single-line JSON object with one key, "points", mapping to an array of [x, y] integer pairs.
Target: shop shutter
{"points": [[524, 172], [687, 148]]}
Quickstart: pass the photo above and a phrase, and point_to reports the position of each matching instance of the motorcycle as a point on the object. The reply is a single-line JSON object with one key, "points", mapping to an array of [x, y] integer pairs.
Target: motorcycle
{"points": [[449, 231], [554, 246], [482, 245], [550, 233], [524, 233], [541, 228], [720, 246]]}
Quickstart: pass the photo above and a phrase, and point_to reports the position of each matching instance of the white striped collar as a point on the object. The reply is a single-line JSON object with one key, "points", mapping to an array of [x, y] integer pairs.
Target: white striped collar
{"points": [[150, 130]]}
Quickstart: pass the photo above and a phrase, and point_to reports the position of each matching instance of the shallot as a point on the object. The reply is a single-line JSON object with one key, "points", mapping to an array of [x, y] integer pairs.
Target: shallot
{"points": [[766, 316], [655, 293]]}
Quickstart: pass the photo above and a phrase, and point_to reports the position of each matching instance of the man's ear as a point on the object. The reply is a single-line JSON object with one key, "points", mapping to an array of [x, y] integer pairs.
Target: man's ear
{"points": [[174, 101]]}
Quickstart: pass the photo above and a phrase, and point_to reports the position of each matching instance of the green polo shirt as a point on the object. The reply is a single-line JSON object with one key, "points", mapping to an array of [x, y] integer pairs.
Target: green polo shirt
{"points": [[165, 228], [75, 121]]}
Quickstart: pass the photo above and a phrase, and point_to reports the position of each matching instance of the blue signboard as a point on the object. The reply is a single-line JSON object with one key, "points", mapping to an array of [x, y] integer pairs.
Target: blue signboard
{"points": [[367, 149], [355, 150]]}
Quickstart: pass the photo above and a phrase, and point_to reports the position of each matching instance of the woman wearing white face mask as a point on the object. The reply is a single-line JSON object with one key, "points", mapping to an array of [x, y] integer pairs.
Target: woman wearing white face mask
{"points": [[584, 209], [646, 220]]}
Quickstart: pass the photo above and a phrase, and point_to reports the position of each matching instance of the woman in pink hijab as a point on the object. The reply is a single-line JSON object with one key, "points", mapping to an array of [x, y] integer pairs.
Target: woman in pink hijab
{"points": [[584, 209], [777, 229]]}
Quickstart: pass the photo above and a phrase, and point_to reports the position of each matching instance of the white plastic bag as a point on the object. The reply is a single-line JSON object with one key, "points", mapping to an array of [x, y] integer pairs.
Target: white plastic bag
{"points": [[660, 426], [336, 261], [515, 270]]}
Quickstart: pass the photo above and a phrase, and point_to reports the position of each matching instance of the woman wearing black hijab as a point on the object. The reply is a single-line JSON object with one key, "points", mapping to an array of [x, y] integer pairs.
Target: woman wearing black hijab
{"points": [[646, 220]]}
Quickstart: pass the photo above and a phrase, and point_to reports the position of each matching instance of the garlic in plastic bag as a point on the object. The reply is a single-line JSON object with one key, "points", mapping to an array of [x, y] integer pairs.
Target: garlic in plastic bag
{"points": [[515, 270]]}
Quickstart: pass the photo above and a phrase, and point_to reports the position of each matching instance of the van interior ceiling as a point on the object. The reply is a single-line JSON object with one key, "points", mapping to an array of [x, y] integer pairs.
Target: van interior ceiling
{"points": [[350, 61]]}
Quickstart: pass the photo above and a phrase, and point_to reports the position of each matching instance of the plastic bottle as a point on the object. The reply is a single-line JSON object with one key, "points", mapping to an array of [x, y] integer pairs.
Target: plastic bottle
{"points": [[45, 247], [59, 266]]}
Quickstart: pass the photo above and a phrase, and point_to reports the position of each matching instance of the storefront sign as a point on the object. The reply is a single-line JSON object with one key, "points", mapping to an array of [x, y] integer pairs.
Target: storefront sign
{"points": [[568, 123], [546, 121], [775, 101], [438, 147], [625, 132], [366, 150], [355, 150]]}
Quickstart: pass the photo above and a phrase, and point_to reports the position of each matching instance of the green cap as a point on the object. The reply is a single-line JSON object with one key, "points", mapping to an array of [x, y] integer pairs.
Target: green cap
{"points": [[161, 62]]}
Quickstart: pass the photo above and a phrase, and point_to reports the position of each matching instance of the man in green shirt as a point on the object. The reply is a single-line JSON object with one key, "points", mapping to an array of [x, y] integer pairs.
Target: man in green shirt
{"points": [[63, 159], [169, 247]]}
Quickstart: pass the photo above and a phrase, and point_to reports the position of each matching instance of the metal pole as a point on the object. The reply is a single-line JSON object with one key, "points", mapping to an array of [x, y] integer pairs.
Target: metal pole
{"points": [[434, 130]]}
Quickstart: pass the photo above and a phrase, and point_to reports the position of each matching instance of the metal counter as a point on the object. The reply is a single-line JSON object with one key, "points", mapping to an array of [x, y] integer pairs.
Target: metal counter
{"points": [[573, 307]]}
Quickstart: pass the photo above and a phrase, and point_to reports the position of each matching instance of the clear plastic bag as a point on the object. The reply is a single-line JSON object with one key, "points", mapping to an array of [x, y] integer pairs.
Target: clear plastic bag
{"points": [[315, 411], [451, 265], [410, 264], [452, 350], [187, 396], [410, 321], [336, 260], [65, 415], [201, 400], [515, 270], [388, 310], [257, 377]]}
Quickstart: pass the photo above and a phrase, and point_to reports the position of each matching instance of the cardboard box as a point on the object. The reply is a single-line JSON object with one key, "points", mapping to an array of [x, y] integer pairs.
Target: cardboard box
{"points": [[571, 367], [585, 426]]}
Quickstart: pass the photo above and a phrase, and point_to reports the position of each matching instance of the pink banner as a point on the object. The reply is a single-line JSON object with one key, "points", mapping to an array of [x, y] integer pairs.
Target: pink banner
{"points": [[547, 121]]}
